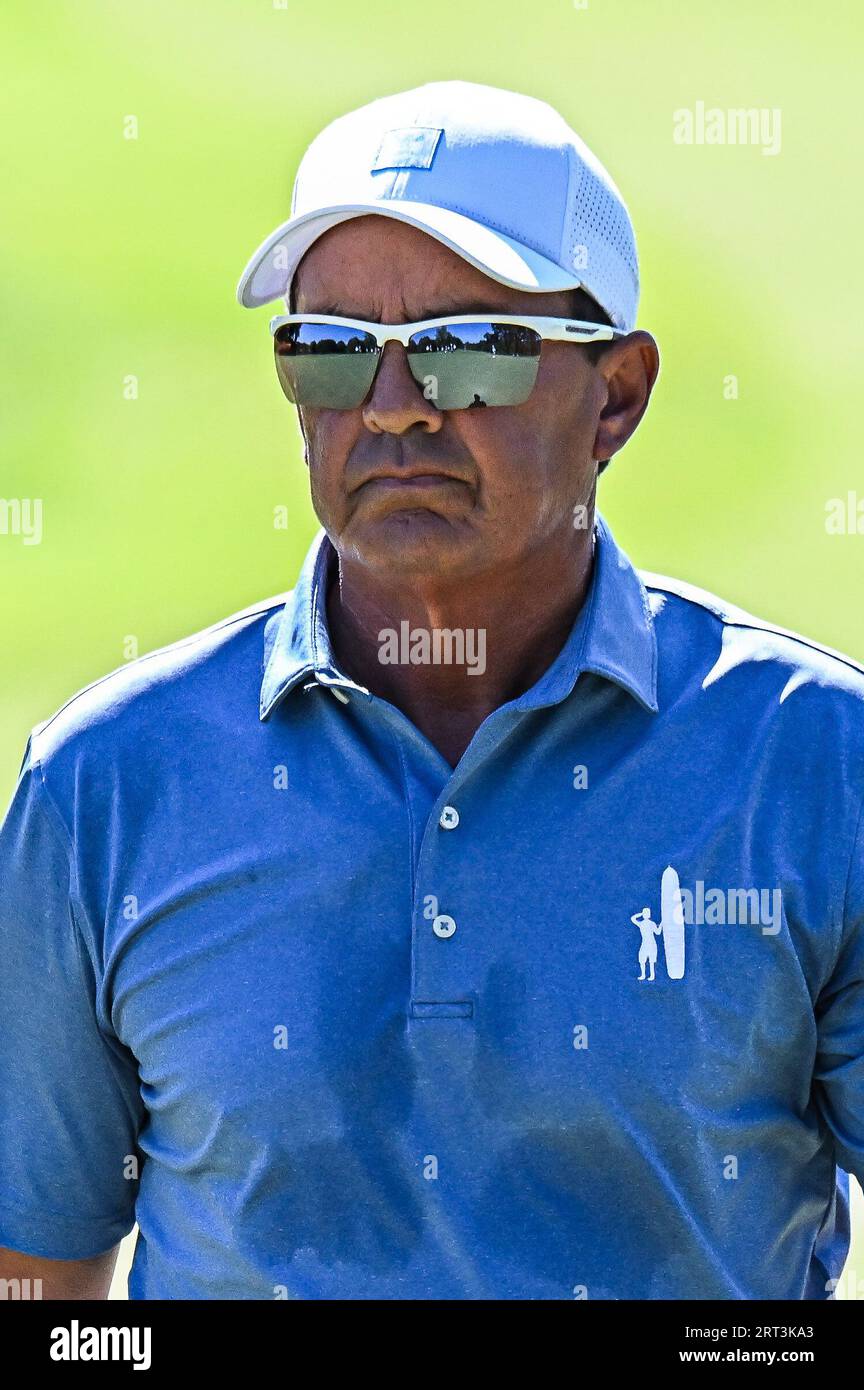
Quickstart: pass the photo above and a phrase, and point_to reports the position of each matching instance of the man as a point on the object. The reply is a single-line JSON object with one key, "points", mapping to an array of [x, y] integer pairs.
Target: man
{"points": [[648, 946], [318, 962]]}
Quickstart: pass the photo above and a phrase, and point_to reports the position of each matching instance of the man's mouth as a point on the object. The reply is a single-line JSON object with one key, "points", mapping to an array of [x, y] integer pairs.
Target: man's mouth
{"points": [[414, 481]]}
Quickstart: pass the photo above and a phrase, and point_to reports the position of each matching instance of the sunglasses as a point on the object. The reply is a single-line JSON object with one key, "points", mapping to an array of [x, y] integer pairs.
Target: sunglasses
{"points": [[460, 362]]}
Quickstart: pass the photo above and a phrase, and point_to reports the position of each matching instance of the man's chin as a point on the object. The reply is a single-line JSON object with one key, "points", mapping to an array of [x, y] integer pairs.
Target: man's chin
{"points": [[410, 540]]}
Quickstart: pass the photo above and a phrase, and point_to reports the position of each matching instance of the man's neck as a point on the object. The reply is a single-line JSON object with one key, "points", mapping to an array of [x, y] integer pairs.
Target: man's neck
{"points": [[513, 626]]}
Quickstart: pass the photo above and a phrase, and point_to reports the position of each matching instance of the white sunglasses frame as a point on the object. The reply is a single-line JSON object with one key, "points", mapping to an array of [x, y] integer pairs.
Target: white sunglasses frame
{"points": [[549, 329]]}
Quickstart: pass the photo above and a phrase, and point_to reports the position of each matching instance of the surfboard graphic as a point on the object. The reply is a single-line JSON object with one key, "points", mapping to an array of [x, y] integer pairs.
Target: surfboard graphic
{"points": [[672, 923]]}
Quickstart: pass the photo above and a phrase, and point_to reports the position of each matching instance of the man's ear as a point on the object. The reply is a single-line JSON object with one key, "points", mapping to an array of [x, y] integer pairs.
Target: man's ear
{"points": [[629, 366]]}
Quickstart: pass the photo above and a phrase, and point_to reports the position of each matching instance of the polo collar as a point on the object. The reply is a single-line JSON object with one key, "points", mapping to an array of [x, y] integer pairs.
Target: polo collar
{"points": [[612, 636]]}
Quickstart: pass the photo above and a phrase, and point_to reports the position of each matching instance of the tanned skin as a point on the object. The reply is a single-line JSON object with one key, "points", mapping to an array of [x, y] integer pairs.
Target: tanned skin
{"points": [[73, 1279], [487, 540]]}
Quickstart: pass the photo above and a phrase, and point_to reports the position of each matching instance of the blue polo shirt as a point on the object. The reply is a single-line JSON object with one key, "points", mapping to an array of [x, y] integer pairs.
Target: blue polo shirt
{"points": [[583, 1017]]}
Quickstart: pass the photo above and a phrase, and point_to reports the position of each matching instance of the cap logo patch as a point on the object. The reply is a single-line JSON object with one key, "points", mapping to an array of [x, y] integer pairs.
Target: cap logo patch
{"points": [[411, 147]]}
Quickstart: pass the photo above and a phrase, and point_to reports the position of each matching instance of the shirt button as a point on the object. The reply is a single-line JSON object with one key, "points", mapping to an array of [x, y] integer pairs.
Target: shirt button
{"points": [[443, 926], [449, 818]]}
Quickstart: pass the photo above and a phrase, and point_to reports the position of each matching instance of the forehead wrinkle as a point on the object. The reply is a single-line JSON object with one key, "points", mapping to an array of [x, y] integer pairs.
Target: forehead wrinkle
{"points": [[426, 279], [483, 311], [371, 310]]}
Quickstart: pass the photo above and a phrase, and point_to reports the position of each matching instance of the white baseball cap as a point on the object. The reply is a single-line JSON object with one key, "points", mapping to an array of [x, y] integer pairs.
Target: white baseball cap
{"points": [[498, 177]]}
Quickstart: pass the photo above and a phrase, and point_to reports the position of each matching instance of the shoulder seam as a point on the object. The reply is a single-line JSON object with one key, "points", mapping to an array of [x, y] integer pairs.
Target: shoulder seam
{"points": [[64, 835], [68, 842], [741, 618], [54, 813], [858, 826], [254, 611]]}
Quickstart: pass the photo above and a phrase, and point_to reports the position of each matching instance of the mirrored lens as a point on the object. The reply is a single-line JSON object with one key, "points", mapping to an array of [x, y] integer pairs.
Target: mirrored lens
{"points": [[462, 366], [325, 365]]}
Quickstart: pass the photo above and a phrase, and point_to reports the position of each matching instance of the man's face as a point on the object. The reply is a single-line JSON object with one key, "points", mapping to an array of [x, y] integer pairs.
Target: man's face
{"points": [[500, 480]]}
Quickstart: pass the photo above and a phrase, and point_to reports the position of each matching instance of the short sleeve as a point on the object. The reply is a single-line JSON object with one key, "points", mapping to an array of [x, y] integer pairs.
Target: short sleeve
{"points": [[70, 1106], [839, 1070]]}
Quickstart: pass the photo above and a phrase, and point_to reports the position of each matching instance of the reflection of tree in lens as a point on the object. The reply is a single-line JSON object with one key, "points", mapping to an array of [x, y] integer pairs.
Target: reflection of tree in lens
{"points": [[511, 340], [304, 342], [323, 345], [444, 340]]}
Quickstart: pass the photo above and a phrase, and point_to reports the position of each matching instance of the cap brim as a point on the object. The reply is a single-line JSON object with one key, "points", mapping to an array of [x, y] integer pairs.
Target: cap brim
{"points": [[272, 267]]}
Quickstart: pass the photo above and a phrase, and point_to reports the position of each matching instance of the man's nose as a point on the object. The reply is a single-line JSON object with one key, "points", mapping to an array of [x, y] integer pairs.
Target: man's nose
{"points": [[396, 402]]}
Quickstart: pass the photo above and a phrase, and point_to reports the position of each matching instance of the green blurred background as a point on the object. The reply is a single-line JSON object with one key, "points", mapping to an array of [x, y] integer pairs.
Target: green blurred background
{"points": [[121, 258]]}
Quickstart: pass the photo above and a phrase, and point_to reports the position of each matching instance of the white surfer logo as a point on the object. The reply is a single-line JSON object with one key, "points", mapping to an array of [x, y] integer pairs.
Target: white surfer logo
{"points": [[671, 928]]}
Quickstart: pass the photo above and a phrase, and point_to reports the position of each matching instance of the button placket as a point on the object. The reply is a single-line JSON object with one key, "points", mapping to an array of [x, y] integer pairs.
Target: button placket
{"points": [[441, 989]]}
